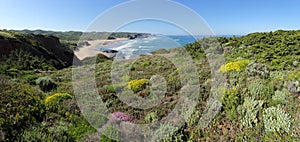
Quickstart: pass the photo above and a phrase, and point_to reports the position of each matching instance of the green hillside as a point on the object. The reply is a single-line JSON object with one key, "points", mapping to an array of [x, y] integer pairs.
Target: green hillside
{"points": [[260, 99], [28, 52], [75, 35]]}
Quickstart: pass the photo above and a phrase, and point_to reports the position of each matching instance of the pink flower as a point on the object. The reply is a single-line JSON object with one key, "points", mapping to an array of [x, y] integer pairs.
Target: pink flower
{"points": [[121, 116]]}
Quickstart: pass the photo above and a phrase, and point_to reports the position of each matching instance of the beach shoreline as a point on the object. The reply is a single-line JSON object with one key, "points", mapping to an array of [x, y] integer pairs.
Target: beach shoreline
{"points": [[90, 50]]}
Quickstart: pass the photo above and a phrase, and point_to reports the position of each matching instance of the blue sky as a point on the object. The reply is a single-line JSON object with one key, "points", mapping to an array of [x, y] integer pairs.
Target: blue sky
{"points": [[223, 16]]}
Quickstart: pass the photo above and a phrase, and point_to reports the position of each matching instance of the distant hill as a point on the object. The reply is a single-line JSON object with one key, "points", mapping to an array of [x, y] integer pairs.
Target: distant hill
{"points": [[76, 35], [21, 48]]}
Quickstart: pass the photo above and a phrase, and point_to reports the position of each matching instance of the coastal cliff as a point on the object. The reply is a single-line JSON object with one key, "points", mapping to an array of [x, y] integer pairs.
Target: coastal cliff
{"points": [[42, 46]]}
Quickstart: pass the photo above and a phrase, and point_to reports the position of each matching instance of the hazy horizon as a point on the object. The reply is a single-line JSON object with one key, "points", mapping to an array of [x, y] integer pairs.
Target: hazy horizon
{"points": [[148, 33]]}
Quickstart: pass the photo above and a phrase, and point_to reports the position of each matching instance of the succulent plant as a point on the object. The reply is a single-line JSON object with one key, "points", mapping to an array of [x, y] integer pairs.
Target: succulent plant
{"points": [[249, 111], [257, 69], [276, 119]]}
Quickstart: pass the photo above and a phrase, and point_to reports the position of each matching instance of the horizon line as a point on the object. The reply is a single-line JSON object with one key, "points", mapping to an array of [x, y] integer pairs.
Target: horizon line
{"points": [[179, 34]]}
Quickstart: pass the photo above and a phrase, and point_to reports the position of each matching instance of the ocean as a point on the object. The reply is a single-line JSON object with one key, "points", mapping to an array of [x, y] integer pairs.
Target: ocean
{"points": [[144, 46]]}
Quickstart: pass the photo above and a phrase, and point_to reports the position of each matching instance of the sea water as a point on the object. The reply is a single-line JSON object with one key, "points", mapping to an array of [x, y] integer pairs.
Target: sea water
{"points": [[144, 46]]}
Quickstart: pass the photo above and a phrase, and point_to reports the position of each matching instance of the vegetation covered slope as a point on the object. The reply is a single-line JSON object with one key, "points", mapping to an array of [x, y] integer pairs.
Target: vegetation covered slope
{"points": [[279, 49], [75, 35], [260, 100], [27, 51]]}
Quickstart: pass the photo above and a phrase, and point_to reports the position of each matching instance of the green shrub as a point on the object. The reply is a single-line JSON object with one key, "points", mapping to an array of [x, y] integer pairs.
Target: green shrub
{"points": [[138, 85], [294, 76], [249, 111], [6, 34], [34, 134], [53, 100], [281, 95], [260, 90], [80, 129], [275, 119], [110, 88], [164, 132], [145, 63], [31, 78], [46, 83], [57, 132], [279, 75], [160, 51], [230, 103], [277, 79], [257, 69], [13, 72], [113, 88], [24, 60], [238, 66], [20, 107], [151, 117], [95, 60], [110, 134], [96, 119]]}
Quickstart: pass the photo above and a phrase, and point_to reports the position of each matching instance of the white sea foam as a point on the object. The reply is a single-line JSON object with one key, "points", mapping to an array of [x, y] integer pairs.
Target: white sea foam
{"points": [[141, 46], [147, 40], [128, 44], [134, 48]]}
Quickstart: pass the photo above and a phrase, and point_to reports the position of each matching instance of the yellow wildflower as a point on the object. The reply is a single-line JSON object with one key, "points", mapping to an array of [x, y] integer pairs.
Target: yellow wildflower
{"points": [[237, 66]]}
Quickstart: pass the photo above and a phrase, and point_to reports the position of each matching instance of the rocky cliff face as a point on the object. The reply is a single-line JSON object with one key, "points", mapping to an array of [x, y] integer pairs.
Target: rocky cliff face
{"points": [[47, 47]]}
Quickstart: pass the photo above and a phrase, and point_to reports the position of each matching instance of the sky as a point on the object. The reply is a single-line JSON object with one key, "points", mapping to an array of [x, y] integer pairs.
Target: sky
{"points": [[223, 16]]}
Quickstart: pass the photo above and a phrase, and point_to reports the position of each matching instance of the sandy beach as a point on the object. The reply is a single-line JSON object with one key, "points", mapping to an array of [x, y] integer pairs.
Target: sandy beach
{"points": [[89, 51]]}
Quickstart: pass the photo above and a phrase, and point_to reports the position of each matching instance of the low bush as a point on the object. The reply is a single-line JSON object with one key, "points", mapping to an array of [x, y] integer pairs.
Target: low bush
{"points": [[275, 120], [280, 95], [260, 90], [151, 117], [160, 51], [53, 100], [164, 131], [20, 108], [80, 129], [110, 134], [294, 76], [230, 103], [257, 69], [249, 112], [46, 83], [279, 75], [145, 63], [44, 132], [138, 85], [31, 78], [238, 66]]}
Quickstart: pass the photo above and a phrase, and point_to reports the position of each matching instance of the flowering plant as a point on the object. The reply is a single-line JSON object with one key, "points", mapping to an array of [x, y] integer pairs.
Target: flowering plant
{"points": [[121, 116]]}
